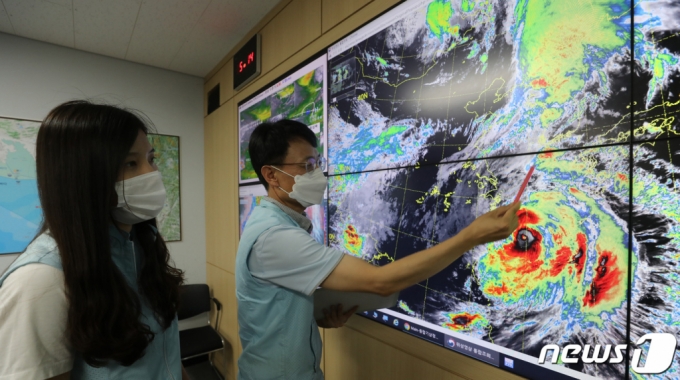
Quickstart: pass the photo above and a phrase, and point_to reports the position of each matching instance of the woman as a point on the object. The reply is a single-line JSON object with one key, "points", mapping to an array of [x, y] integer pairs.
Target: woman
{"points": [[94, 295]]}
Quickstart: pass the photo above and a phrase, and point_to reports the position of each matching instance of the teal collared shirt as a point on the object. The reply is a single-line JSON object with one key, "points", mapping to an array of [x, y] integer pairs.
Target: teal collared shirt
{"points": [[162, 356], [278, 267]]}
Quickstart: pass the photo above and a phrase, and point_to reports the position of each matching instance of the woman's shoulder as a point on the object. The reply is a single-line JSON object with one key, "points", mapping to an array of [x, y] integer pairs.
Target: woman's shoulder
{"points": [[43, 249], [43, 243], [34, 280], [33, 311], [40, 262], [33, 291]]}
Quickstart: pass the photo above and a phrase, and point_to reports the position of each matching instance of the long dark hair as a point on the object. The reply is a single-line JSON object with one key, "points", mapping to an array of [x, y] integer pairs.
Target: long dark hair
{"points": [[80, 150]]}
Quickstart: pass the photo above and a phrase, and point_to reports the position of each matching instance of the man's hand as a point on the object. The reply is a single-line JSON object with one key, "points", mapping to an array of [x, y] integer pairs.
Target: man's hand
{"points": [[495, 225], [356, 275], [335, 318]]}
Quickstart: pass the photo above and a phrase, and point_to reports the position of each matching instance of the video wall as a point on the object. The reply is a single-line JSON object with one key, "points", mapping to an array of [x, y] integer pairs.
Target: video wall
{"points": [[432, 115], [300, 96]]}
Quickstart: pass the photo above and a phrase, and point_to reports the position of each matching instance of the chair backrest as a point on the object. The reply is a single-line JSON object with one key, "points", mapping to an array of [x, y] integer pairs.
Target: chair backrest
{"points": [[194, 299]]}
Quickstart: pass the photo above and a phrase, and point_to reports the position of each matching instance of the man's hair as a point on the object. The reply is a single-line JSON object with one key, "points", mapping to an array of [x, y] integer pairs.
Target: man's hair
{"points": [[269, 143]]}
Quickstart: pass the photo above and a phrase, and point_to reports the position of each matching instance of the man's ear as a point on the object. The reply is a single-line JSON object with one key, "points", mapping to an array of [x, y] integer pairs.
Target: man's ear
{"points": [[268, 174]]}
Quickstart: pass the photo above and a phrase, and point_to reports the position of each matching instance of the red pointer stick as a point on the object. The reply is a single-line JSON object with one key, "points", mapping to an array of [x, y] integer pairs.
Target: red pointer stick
{"points": [[524, 184]]}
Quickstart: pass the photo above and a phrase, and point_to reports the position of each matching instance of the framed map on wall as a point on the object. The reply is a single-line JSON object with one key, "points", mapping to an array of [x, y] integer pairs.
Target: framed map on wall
{"points": [[20, 212], [167, 159]]}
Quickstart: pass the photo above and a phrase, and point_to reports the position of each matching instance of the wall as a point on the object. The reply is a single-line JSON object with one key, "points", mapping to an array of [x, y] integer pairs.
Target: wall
{"points": [[363, 349], [36, 76]]}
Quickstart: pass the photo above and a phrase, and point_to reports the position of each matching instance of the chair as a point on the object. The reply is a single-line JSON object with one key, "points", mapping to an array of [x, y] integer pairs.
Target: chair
{"points": [[196, 336]]}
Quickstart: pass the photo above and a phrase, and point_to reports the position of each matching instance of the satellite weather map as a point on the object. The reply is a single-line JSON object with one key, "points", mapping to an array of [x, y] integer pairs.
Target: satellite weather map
{"points": [[438, 109], [301, 96]]}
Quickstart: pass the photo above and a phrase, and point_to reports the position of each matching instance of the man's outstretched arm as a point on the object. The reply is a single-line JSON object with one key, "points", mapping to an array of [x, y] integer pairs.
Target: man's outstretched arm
{"points": [[355, 274]]}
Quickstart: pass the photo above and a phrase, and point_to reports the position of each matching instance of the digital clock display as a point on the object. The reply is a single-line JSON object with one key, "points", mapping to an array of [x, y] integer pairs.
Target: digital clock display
{"points": [[247, 62], [250, 60]]}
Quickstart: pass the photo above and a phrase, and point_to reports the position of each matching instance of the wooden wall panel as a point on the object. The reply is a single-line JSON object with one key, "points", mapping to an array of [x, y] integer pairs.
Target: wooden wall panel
{"points": [[296, 26], [209, 85], [221, 187], [226, 78], [223, 286], [334, 11], [210, 149]]}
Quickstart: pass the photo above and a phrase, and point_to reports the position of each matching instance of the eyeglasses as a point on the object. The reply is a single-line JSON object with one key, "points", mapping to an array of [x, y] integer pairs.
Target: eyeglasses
{"points": [[310, 164]]}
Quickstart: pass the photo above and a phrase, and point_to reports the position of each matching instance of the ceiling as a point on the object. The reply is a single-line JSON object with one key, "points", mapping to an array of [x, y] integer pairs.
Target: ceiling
{"points": [[187, 36]]}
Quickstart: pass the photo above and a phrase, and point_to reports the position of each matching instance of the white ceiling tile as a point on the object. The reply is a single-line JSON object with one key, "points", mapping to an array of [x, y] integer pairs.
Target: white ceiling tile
{"points": [[43, 20], [221, 27], [5, 24], [189, 36], [105, 26], [161, 29]]}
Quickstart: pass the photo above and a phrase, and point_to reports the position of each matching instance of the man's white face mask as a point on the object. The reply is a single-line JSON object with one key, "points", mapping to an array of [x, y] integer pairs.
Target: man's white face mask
{"points": [[309, 188], [140, 198]]}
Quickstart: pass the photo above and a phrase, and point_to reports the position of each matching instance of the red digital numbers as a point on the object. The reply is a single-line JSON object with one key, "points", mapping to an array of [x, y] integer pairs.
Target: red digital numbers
{"points": [[242, 65]]}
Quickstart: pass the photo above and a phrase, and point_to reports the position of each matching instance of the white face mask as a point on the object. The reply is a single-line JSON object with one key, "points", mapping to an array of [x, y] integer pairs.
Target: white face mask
{"points": [[139, 198], [308, 188]]}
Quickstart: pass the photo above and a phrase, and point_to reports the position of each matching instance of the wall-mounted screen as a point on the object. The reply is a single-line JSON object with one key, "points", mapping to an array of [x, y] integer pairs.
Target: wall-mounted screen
{"points": [[299, 95], [437, 109]]}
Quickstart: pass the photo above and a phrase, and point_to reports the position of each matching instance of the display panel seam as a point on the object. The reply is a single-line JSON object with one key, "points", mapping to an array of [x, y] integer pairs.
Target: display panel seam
{"points": [[419, 165]]}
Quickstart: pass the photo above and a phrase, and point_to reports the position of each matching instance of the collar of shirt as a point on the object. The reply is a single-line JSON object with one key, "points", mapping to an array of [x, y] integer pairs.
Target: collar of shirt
{"points": [[120, 235], [299, 218], [124, 236]]}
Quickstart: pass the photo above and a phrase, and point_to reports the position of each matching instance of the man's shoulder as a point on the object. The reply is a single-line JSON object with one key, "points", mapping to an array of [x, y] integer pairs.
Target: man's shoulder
{"points": [[284, 231], [266, 207], [268, 213]]}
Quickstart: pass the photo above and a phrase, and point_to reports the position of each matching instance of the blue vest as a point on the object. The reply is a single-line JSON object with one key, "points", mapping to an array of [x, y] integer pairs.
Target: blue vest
{"points": [[279, 336], [162, 358]]}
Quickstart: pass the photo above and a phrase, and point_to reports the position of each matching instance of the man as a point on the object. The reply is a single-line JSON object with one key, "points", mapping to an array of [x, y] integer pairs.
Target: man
{"points": [[279, 265]]}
